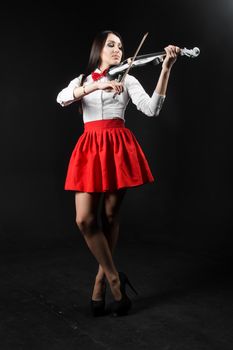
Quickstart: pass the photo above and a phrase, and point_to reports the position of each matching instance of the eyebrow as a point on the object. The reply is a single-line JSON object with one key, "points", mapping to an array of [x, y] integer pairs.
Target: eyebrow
{"points": [[113, 41]]}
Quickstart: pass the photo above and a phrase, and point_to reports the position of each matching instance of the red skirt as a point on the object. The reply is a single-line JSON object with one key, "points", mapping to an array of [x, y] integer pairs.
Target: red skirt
{"points": [[106, 157]]}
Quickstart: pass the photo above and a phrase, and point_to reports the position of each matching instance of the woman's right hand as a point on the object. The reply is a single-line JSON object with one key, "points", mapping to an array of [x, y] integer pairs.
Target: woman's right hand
{"points": [[111, 86]]}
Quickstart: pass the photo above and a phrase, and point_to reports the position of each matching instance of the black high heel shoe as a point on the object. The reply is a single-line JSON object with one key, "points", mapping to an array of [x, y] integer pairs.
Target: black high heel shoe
{"points": [[98, 306], [121, 307]]}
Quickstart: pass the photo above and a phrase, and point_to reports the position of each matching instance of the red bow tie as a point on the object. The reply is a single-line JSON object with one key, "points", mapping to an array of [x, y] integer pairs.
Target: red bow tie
{"points": [[96, 75]]}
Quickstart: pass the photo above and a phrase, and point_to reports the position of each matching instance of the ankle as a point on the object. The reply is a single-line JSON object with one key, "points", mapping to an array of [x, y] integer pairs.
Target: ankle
{"points": [[115, 289], [100, 279], [114, 279]]}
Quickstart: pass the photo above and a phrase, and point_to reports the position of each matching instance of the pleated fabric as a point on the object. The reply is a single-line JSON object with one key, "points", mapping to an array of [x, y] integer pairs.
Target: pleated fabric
{"points": [[107, 157]]}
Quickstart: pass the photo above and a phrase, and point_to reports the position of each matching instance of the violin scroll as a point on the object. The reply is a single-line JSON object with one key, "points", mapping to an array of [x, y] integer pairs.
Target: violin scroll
{"points": [[190, 52]]}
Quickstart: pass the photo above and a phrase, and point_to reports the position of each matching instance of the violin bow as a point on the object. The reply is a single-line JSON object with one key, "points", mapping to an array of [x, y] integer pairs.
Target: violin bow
{"points": [[135, 55]]}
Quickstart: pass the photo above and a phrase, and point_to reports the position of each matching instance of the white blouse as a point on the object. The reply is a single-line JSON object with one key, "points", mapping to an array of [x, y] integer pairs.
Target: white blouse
{"points": [[100, 104]]}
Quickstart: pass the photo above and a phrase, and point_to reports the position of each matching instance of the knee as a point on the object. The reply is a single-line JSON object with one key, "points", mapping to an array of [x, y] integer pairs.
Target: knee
{"points": [[86, 224], [111, 218]]}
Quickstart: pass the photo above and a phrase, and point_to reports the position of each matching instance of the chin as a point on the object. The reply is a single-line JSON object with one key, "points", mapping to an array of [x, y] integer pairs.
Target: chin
{"points": [[117, 61]]}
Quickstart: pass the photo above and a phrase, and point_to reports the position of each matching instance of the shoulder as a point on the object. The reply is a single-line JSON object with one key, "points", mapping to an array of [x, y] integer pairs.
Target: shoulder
{"points": [[77, 80]]}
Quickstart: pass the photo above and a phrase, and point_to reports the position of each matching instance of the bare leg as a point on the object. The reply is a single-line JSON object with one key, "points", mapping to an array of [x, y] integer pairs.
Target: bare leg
{"points": [[86, 218], [111, 221]]}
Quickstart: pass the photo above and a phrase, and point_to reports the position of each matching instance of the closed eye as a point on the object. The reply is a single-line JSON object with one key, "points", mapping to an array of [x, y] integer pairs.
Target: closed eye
{"points": [[112, 43]]}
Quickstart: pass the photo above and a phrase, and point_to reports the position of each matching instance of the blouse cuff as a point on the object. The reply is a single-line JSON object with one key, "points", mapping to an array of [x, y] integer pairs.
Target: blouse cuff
{"points": [[66, 96], [157, 102]]}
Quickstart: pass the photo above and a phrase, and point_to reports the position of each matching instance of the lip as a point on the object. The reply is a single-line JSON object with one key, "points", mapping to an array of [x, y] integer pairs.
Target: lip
{"points": [[116, 56]]}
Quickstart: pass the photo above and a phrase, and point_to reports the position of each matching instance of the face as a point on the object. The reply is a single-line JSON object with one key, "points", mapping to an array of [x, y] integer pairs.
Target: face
{"points": [[111, 53]]}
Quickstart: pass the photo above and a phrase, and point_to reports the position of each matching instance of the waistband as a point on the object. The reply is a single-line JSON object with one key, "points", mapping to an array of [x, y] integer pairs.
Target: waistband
{"points": [[105, 123]]}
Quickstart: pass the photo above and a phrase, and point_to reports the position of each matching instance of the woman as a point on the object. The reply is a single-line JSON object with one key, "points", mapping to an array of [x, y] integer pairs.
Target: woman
{"points": [[107, 159]]}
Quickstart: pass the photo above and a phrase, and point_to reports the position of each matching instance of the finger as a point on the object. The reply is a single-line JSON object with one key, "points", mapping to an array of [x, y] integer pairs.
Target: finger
{"points": [[172, 50], [119, 89], [169, 51], [176, 50]]}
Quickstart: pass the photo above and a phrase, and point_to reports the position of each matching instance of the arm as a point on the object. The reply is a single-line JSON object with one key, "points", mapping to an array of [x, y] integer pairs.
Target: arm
{"points": [[81, 91], [162, 83], [170, 59], [112, 85], [74, 92], [151, 106], [65, 97]]}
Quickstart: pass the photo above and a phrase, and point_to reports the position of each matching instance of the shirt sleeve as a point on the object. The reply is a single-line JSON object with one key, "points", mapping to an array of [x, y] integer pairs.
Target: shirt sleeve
{"points": [[150, 106], [65, 97]]}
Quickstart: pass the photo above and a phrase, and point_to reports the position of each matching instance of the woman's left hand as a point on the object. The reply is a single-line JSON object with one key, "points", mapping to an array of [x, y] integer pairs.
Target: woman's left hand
{"points": [[171, 56]]}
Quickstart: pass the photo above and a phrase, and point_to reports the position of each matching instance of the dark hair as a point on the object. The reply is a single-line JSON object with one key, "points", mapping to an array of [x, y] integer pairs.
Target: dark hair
{"points": [[94, 59], [97, 46]]}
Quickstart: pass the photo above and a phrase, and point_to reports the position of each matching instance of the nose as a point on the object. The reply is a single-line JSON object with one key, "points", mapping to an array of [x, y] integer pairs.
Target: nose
{"points": [[116, 49]]}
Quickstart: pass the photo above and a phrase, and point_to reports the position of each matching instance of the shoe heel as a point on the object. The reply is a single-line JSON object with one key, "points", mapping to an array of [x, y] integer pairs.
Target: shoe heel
{"points": [[131, 286], [98, 306], [125, 280]]}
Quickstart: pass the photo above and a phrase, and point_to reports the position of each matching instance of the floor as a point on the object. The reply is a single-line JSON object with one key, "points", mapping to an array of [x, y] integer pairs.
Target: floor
{"points": [[185, 299]]}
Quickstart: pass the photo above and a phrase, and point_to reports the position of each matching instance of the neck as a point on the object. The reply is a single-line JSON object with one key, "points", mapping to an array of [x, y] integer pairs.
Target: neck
{"points": [[103, 66]]}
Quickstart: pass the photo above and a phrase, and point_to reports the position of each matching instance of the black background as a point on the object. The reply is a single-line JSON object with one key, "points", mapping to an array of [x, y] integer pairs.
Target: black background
{"points": [[189, 146]]}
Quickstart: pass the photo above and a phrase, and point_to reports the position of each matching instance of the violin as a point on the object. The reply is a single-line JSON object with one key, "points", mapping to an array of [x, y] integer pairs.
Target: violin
{"points": [[118, 71]]}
